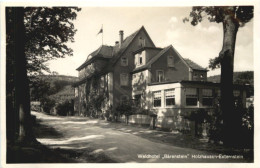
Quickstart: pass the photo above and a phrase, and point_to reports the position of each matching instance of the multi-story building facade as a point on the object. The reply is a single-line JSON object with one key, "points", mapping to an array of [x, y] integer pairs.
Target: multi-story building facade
{"points": [[158, 79]]}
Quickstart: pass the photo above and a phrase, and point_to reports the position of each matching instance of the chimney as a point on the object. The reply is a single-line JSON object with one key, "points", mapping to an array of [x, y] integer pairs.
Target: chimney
{"points": [[121, 37], [116, 43]]}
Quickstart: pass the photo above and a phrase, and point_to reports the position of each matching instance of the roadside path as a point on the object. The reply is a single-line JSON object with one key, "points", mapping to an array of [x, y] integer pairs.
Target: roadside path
{"points": [[99, 138]]}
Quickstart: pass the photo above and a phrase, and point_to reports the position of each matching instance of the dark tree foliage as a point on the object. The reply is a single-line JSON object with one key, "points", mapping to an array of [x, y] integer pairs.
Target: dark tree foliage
{"points": [[245, 78], [58, 86], [34, 35], [231, 17], [39, 89], [47, 30], [47, 104], [65, 108], [198, 116]]}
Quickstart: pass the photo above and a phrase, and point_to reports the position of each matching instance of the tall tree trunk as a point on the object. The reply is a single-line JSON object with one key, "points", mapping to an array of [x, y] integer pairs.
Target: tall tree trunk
{"points": [[22, 96], [11, 116], [230, 117]]}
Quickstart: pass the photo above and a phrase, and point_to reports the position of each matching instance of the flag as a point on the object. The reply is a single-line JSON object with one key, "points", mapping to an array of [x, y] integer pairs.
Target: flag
{"points": [[101, 30]]}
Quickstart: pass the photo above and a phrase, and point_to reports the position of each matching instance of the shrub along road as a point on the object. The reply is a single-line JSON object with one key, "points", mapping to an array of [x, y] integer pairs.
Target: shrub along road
{"points": [[92, 140]]}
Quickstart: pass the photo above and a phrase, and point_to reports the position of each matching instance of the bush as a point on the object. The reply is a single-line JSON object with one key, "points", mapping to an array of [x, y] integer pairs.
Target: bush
{"points": [[199, 116], [47, 104], [35, 107], [248, 118], [140, 110], [246, 129], [216, 125], [95, 103], [65, 108], [125, 108], [109, 113]]}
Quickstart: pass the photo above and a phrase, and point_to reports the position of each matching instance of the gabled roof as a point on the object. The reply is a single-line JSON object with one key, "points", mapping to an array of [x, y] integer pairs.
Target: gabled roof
{"points": [[103, 51], [146, 48], [119, 50], [113, 52], [193, 65], [152, 60], [187, 62]]}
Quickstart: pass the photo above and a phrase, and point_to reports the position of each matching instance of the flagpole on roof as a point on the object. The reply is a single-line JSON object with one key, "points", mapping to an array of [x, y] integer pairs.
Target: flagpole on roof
{"points": [[101, 31]]}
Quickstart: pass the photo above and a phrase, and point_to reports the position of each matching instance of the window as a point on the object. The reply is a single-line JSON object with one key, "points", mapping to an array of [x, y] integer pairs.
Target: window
{"points": [[191, 97], [201, 76], [170, 61], [207, 97], [140, 60], [170, 97], [123, 79], [159, 75], [124, 61], [195, 76], [137, 99], [141, 42], [157, 99]]}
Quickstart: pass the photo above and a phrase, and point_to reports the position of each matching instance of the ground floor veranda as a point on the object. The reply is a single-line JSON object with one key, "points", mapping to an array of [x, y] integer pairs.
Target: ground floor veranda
{"points": [[173, 103]]}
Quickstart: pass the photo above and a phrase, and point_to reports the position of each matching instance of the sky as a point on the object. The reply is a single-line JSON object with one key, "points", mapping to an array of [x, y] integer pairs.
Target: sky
{"points": [[165, 27]]}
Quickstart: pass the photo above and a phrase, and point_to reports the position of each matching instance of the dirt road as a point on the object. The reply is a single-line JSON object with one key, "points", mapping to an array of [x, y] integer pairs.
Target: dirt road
{"points": [[101, 139]]}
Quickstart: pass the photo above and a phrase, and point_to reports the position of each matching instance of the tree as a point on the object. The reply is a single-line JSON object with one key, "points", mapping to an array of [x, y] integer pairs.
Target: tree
{"points": [[21, 84], [125, 108], [33, 37], [39, 89], [231, 17], [47, 32]]}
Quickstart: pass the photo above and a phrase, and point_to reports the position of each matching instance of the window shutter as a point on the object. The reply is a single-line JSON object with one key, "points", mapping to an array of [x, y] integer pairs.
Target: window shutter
{"points": [[157, 95], [169, 93]]}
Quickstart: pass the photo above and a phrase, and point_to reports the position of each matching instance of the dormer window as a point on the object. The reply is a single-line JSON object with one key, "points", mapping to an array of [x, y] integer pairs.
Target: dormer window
{"points": [[170, 61], [124, 61], [140, 60], [141, 42]]}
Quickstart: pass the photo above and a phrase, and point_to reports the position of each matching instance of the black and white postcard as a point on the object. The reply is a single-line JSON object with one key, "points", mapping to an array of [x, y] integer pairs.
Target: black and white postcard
{"points": [[140, 83]]}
